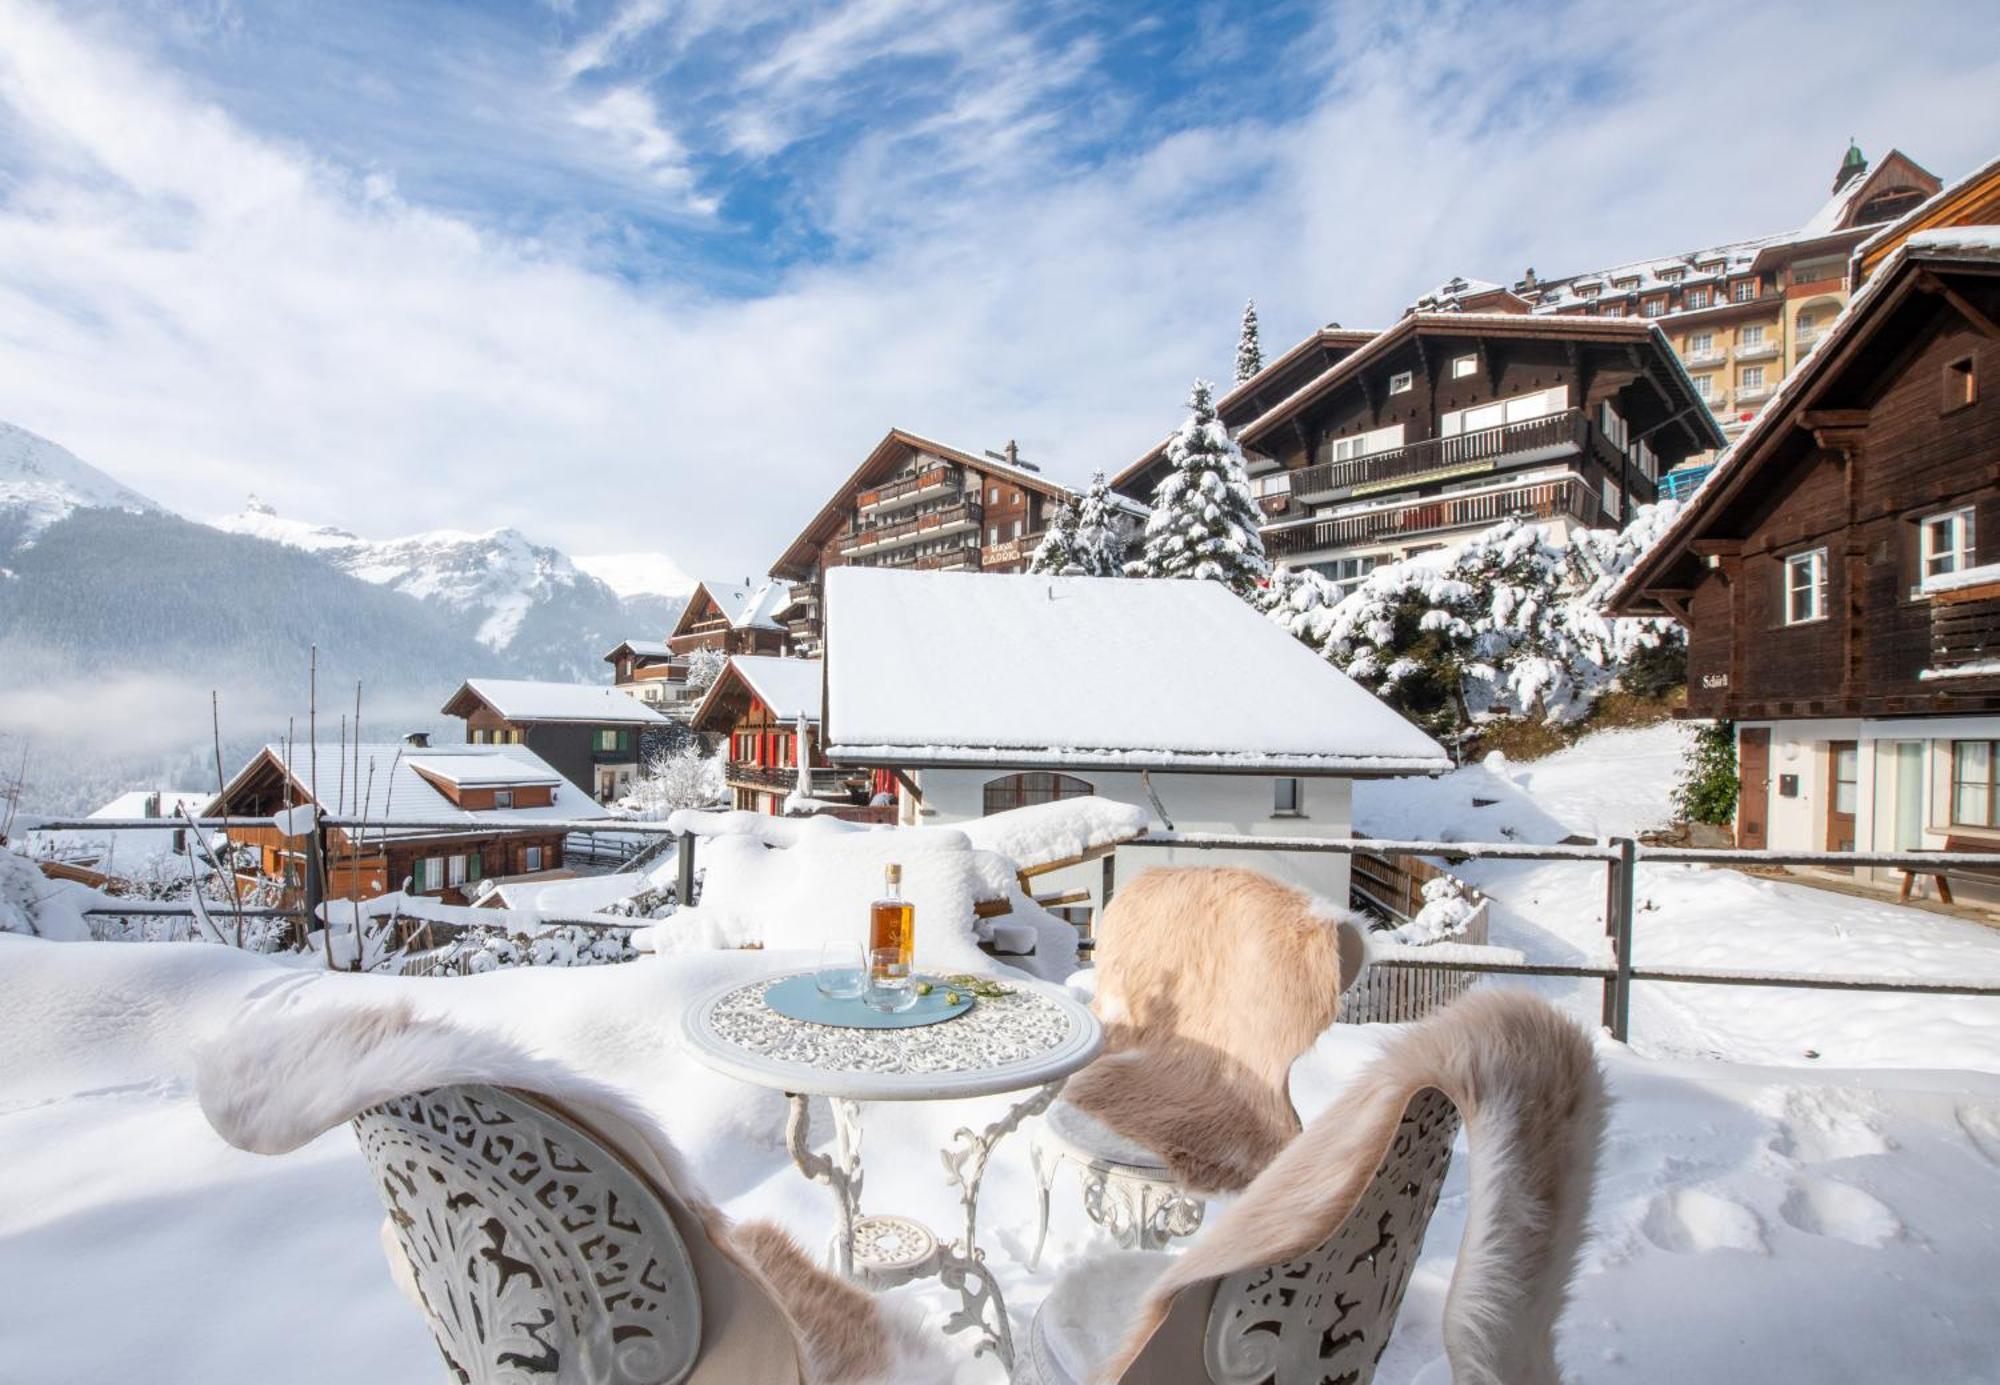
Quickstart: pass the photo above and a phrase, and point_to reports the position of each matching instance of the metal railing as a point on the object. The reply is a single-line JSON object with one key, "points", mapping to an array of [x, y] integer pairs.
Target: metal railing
{"points": [[1557, 434], [1543, 500], [1620, 857]]}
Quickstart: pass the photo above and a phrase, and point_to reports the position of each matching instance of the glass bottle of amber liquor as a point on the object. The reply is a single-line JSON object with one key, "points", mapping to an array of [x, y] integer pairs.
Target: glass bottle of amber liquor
{"points": [[892, 919]]}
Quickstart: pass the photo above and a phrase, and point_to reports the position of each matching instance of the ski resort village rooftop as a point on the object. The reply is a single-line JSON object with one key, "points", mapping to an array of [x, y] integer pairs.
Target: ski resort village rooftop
{"points": [[1130, 689]]}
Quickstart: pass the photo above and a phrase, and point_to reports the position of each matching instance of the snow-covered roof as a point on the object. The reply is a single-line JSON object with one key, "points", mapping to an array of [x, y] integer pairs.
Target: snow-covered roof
{"points": [[789, 687], [748, 604], [131, 851], [391, 787], [522, 699], [485, 771], [944, 668], [642, 649]]}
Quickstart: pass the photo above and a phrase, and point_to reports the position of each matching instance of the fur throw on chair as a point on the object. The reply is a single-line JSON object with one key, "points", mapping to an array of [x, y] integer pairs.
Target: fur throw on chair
{"points": [[1211, 983], [1526, 1083], [278, 1078]]}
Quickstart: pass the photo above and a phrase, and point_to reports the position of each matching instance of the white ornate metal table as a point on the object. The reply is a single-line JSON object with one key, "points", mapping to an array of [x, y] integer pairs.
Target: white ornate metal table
{"points": [[1032, 1039]]}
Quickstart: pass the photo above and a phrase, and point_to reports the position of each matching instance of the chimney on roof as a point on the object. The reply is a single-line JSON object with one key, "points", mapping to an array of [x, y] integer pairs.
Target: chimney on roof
{"points": [[417, 740], [152, 808], [1528, 279]]}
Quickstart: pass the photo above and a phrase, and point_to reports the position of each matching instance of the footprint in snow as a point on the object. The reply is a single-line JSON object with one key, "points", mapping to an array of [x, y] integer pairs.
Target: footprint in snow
{"points": [[1816, 1124], [1981, 1125], [1689, 1221], [1822, 1207]]}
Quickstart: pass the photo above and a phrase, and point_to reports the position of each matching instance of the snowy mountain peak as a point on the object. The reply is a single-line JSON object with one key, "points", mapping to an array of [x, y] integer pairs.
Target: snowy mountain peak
{"points": [[41, 482]]}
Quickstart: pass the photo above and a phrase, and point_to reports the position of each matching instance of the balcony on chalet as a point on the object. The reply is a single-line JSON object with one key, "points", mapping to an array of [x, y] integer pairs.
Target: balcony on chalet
{"points": [[1965, 624], [962, 517], [824, 783], [1570, 496], [1568, 433], [926, 484]]}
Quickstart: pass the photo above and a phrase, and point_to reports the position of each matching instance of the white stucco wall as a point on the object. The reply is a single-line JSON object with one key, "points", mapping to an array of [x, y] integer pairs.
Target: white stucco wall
{"points": [[1195, 803]]}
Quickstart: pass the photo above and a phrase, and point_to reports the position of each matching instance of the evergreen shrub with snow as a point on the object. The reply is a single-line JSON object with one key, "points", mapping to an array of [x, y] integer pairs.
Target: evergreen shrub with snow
{"points": [[1708, 784], [1058, 546], [1509, 625], [1097, 546], [1204, 520], [1249, 350]]}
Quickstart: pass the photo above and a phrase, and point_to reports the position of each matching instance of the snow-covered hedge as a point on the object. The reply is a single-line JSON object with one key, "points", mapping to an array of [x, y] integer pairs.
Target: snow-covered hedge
{"points": [[1509, 624]]}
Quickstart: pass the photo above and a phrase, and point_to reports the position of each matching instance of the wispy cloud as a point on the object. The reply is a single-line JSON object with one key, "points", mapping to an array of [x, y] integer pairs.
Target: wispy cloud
{"points": [[479, 296]]}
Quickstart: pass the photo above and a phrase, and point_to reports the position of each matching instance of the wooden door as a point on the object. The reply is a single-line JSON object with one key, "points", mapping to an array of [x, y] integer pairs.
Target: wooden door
{"points": [[1843, 789], [1753, 797]]}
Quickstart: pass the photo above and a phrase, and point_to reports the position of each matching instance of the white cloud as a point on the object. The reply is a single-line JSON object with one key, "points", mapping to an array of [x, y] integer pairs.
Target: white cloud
{"points": [[202, 310], [628, 117]]}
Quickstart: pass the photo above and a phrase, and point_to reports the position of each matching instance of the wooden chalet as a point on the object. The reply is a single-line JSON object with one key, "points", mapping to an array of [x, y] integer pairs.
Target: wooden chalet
{"points": [[731, 618], [920, 505], [759, 706], [1839, 574], [1446, 423], [650, 671], [482, 812], [589, 733]]}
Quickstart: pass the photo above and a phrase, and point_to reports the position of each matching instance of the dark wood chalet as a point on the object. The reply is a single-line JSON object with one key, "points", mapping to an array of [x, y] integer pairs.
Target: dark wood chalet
{"points": [[914, 503], [731, 618], [589, 733], [1449, 422], [1839, 574], [484, 813], [650, 671], [758, 707]]}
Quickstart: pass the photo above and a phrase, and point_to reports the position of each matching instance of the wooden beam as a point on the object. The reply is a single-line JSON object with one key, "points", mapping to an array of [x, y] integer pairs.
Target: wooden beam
{"points": [[1717, 548], [903, 778], [1928, 282]]}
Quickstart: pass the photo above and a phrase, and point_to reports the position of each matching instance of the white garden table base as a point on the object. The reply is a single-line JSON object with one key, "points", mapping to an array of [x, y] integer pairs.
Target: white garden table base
{"points": [[1032, 1039]]}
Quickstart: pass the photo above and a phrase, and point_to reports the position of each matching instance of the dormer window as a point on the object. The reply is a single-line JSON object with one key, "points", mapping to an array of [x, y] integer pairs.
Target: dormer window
{"points": [[503, 798]]}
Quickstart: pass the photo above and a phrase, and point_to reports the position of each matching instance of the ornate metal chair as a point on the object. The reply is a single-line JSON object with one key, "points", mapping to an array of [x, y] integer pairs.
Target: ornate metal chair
{"points": [[1325, 1315], [1300, 1281]]}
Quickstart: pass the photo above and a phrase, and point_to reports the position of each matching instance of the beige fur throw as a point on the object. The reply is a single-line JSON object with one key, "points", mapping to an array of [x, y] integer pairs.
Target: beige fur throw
{"points": [[1211, 983]]}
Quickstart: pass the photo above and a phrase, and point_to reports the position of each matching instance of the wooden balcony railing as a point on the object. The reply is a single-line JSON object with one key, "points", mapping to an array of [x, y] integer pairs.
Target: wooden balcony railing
{"points": [[1555, 435], [909, 486], [874, 536], [1965, 631], [742, 774], [1544, 500]]}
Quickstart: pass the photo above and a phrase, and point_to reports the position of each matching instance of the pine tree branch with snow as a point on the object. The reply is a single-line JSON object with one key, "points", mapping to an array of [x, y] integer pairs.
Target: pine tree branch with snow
{"points": [[1057, 550], [1205, 521]]}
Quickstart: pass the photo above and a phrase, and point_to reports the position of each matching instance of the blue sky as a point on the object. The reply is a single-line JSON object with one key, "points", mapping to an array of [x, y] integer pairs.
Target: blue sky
{"points": [[602, 270]]}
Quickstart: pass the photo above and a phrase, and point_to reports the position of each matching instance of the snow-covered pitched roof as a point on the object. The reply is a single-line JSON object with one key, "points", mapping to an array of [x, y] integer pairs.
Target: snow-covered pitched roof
{"points": [[127, 852], [391, 787], [943, 668], [485, 771], [747, 604], [642, 649], [522, 699], [789, 687]]}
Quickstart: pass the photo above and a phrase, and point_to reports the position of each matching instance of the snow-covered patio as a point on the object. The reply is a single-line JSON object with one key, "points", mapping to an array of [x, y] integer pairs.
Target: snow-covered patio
{"points": [[1761, 1214]]}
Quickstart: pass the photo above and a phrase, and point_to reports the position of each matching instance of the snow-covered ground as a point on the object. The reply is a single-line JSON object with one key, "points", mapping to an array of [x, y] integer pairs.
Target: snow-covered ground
{"points": [[1760, 1218], [1621, 783]]}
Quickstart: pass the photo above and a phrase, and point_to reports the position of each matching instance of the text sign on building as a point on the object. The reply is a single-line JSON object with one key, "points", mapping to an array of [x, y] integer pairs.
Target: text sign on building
{"points": [[1715, 680]]}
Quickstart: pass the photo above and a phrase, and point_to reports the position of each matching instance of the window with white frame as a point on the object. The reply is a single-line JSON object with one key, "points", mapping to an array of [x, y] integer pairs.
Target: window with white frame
{"points": [[1947, 542], [455, 871], [1462, 366], [1368, 443], [1703, 385], [1700, 343], [1752, 377], [1611, 506], [1401, 381], [1744, 291], [503, 798], [1655, 306], [1805, 587], [1696, 298], [1751, 336], [1516, 409], [531, 858], [1273, 483], [1972, 784], [1286, 798]]}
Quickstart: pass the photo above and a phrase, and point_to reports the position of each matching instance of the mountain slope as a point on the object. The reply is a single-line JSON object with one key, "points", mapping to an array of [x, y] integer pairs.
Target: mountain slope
{"points": [[42, 482], [524, 600]]}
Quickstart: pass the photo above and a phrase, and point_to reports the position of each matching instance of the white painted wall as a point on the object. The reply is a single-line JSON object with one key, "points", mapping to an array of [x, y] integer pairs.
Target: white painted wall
{"points": [[1195, 803]]}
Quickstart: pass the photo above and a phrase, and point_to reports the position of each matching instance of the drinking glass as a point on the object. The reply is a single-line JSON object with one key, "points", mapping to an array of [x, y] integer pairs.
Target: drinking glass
{"points": [[840, 975], [892, 987]]}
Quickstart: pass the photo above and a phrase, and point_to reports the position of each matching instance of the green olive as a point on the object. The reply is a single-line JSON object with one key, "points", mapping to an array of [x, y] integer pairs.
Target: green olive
{"points": [[951, 997], [923, 988]]}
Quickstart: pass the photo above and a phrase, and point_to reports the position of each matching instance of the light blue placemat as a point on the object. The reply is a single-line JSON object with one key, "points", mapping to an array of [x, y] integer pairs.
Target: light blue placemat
{"points": [[799, 998]]}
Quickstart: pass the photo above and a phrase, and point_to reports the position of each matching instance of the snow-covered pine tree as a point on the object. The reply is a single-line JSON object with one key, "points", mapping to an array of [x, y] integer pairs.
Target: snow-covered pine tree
{"points": [[1249, 351], [1057, 549], [1098, 548], [1204, 521]]}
